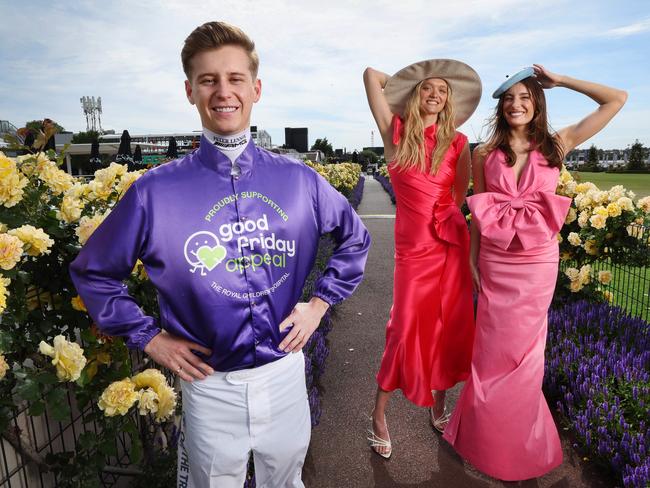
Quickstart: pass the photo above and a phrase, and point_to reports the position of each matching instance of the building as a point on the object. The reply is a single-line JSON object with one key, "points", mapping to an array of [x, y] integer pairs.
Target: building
{"points": [[378, 150], [607, 158], [296, 138], [157, 143], [261, 137]]}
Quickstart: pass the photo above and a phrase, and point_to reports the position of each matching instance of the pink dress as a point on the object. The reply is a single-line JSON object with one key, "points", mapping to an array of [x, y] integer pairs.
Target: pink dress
{"points": [[502, 423]]}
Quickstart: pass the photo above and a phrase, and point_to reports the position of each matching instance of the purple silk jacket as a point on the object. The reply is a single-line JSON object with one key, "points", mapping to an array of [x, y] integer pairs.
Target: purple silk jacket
{"points": [[229, 255]]}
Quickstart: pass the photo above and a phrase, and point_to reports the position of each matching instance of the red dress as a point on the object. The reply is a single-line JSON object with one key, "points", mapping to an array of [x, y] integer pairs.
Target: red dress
{"points": [[430, 332]]}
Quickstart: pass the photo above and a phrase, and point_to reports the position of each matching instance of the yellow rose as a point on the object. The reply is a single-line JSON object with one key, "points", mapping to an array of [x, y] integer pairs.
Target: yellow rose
{"points": [[583, 219], [118, 398], [626, 204], [607, 295], [565, 256], [12, 182], [586, 186], [147, 401], [574, 239], [139, 271], [585, 274], [36, 241], [616, 192], [571, 215], [126, 181], [58, 181], [153, 378], [4, 367], [644, 204], [87, 226], [78, 304], [591, 248], [600, 210], [572, 273], [11, 250], [600, 196], [613, 209], [70, 210], [575, 286], [4, 283], [68, 357], [597, 221], [605, 277]]}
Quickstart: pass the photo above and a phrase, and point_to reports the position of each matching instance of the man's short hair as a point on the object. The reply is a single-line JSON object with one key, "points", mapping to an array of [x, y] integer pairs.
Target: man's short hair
{"points": [[213, 35]]}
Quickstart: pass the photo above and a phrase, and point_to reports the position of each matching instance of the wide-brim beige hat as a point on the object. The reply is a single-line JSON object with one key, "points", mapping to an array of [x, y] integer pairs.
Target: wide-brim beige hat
{"points": [[464, 81]]}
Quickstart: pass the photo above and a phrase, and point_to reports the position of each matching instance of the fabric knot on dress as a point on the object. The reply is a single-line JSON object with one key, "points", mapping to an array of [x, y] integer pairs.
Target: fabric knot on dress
{"points": [[449, 223], [535, 218], [517, 203]]}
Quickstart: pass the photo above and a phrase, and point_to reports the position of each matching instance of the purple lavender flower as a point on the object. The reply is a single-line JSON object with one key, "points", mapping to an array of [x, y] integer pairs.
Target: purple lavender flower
{"points": [[598, 369]]}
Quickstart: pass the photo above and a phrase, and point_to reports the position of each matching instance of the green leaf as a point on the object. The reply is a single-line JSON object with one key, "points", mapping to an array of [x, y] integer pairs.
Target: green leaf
{"points": [[6, 341], [57, 403], [29, 390], [108, 447], [88, 337], [37, 408], [86, 440], [46, 378]]}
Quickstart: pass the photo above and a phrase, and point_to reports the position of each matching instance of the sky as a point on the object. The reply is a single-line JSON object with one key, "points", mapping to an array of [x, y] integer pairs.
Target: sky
{"points": [[312, 59]]}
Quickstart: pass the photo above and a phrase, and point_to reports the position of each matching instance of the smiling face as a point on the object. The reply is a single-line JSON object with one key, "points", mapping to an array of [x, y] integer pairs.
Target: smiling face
{"points": [[223, 89], [433, 96], [518, 106]]}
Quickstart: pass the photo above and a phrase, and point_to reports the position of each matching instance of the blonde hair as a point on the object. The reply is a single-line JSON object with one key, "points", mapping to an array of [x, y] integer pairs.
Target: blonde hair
{"points": [[411, 151], [213, 35]]}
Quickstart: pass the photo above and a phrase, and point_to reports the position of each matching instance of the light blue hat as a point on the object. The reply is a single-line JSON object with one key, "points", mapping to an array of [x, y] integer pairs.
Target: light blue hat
{"points": [[516, 78]]}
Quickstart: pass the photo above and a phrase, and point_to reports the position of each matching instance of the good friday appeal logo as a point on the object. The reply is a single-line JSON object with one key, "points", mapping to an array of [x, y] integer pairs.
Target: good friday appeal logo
{"points": [[256, 244]]}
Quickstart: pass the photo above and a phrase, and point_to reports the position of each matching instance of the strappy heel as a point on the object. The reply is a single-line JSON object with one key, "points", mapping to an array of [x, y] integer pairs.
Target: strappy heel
{"points": [[441, 422], [374, 442]]}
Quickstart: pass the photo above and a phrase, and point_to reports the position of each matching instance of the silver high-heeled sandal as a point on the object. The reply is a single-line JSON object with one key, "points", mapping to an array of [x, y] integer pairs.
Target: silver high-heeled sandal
{"points": [[374, 441], [441, 422]]}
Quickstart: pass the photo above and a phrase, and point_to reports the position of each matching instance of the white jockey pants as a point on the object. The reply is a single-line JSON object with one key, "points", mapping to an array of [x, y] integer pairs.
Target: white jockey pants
{"points": [[227, 415]]}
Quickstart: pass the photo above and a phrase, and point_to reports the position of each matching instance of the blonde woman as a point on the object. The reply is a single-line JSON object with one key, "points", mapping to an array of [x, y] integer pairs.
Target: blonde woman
{"points": [[430, 332]]}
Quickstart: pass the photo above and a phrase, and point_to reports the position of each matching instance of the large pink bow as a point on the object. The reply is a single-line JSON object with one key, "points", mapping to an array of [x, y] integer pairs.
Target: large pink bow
{"points": [[449, 224], [535, 217]]}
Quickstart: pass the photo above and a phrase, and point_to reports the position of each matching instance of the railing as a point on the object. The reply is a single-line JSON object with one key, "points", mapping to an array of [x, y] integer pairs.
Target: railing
{"points": [[630, 285]]}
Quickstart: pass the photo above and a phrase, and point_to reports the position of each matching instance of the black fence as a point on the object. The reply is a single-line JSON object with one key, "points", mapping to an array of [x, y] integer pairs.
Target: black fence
{"points": [[630, 284]]}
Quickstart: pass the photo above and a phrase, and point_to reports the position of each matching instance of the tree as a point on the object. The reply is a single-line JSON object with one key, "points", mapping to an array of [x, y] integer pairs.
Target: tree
{"points": [[592, 158], [36, 125], [638, 156], [324, 146], [85, 137], [369, 156]]}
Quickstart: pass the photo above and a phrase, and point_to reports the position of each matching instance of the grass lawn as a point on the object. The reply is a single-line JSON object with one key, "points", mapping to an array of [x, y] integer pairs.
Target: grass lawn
{"points": [[638, 183], [631, 288]]}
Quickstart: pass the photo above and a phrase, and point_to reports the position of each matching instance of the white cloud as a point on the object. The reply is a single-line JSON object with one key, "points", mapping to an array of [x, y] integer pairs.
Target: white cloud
{"points": [[312, 57], [629, 30]]}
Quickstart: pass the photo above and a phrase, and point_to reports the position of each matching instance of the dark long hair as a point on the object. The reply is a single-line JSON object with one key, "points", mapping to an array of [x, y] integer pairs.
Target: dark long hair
{"points": [[540, 133]]}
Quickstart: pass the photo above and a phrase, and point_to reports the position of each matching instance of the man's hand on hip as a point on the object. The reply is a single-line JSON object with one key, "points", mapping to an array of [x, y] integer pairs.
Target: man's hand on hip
{"points": [[176, 354], [305, 318]]}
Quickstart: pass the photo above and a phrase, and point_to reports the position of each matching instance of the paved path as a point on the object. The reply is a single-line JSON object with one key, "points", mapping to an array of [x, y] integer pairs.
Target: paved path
{"points": [[339, 456]]}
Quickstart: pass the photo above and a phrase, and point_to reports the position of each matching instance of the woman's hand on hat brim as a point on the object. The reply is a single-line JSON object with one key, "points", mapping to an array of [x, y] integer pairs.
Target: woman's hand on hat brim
{"points": [[546, 78]]}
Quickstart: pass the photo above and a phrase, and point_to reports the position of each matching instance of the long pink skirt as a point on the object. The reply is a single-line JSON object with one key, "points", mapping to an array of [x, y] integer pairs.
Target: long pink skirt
{"points": [[502, 424]]}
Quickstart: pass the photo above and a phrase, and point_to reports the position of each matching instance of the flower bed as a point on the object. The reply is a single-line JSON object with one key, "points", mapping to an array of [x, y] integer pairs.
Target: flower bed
{"points": [[598, 372], [384, 181]]}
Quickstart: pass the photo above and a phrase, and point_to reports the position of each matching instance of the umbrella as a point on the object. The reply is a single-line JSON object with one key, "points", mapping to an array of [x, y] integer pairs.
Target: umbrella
{"points": [[94, 153], [124, 152], [172, 149], [137, 155]]}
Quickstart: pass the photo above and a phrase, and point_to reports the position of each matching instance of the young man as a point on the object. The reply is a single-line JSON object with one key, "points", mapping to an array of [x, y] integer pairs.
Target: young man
{"points": [[228, 235]]}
